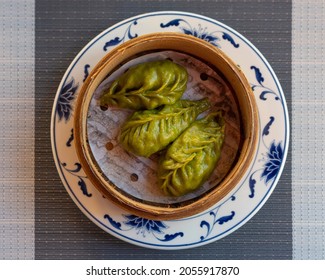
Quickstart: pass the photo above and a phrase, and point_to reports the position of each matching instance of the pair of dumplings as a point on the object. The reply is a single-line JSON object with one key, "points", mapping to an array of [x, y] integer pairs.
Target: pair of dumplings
{"points": [[163, 122]]}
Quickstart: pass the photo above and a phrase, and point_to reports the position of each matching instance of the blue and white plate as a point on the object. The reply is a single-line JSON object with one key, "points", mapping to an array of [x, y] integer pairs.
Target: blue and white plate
{"points": [[224, 217]]}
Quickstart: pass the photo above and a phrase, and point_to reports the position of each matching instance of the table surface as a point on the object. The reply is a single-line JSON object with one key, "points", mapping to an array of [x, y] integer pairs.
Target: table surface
{"points": [[39, 40]]}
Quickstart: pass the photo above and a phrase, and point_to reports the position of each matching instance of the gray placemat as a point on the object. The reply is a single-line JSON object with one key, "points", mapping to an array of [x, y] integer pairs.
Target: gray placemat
{"points": [[17, 129], [62, 29], [308, 129]]}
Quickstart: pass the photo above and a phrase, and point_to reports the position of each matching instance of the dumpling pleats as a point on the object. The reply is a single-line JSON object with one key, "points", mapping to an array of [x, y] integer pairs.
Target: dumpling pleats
{"points": [[192, 157], [147, 86], [149, 131]]}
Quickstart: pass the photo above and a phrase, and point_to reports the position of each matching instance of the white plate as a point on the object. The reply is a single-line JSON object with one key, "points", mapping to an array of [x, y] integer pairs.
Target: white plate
{"points": [[233, 211]]}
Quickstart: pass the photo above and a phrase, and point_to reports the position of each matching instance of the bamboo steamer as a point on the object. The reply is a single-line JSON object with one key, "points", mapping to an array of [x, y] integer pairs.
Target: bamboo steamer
{"points": [[247, 110]]}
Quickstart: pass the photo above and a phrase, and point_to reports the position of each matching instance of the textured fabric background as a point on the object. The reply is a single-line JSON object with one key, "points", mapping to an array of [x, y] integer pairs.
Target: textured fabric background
{"points": [[62, 29], [17, 129], [308, 104]]}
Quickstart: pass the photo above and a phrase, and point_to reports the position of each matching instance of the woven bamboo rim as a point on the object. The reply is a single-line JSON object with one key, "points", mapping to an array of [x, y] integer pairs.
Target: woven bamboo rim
{"points": [[199, 49]]}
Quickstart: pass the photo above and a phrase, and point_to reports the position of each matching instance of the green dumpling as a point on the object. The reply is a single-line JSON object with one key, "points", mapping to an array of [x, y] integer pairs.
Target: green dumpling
{"points": [[193, 156], [147, 132], [147, 86]]}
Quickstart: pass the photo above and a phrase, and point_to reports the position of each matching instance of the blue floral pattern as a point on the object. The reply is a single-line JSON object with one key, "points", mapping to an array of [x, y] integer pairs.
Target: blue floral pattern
{"points": [[266, 129], [215, 221], [75, 172], [118, 40], [274, 155], [66, 96], [273, 162], [70, 140], [86, 72], [262, 89], [144, 226], [200, 32]]}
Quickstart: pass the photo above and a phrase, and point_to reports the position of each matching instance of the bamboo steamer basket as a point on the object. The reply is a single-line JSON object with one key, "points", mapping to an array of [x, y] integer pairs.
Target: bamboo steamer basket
{"points": [[203, 51]]}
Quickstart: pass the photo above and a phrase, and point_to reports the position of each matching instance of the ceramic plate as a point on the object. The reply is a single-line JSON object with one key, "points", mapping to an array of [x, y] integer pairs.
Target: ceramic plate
{"points": [[237, 207]]}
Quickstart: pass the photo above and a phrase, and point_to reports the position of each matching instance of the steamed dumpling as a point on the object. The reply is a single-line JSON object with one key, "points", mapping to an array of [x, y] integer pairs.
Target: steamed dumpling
{"points": [[147, 86], [192, 157], [150, 131]]}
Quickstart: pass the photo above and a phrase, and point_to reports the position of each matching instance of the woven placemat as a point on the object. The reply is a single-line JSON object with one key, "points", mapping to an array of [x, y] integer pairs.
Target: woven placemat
{"points": [[17, 129], [308, 129]]}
